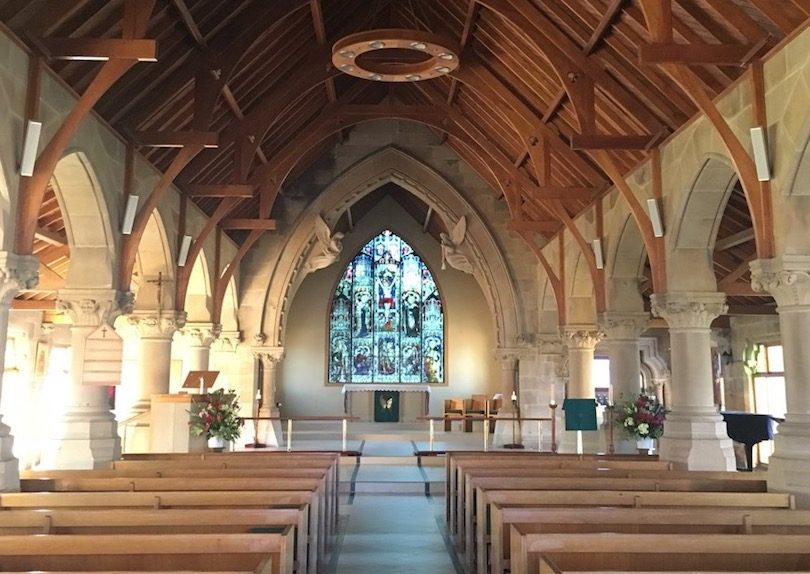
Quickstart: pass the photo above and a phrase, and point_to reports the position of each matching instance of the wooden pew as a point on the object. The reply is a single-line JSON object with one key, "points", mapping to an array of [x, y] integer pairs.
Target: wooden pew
{"points": [[637, 520], [178, 499], [263, 553], [618, 551], [466, 471], [254, 460], [475, 522], [633, 499], [456, 462], [175, 521]]}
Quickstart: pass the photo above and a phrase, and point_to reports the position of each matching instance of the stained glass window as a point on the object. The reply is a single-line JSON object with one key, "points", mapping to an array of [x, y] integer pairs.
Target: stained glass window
{"points": [[386, 323]]}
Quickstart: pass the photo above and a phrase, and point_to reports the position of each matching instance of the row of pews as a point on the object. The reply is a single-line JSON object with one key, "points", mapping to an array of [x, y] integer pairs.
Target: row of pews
{"points": [[267, 512], [534, 512]]}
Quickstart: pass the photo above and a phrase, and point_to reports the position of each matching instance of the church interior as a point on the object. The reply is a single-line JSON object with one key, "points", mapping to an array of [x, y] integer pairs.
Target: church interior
{"points": [[549, 261]]}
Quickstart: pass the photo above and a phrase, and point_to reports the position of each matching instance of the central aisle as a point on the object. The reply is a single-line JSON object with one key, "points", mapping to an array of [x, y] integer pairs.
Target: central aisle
{"points": [[393, 533]]}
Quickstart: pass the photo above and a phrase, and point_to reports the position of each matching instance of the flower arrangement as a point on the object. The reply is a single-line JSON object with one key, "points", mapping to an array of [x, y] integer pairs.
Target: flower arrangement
{"points": [[216, 416], [642, 417]]}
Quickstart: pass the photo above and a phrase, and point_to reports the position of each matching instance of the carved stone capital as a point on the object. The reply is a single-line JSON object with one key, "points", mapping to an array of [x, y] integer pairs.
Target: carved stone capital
{"points": [[269, 356], [157, 324], [508, 357], [583, 336], [17, 272], [259, 339], [91, 307], [227, 341], [200, 334], [623, 326], [689, 310], [549, 344], [786, 277]]}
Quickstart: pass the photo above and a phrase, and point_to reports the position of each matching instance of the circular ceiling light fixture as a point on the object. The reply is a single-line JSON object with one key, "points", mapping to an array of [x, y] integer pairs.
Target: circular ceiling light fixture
{"points": [[395, 55]]}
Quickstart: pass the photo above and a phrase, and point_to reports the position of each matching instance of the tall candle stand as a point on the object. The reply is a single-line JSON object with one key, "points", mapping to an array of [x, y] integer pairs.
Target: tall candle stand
{"points": [[611, 444], [552, 404]]}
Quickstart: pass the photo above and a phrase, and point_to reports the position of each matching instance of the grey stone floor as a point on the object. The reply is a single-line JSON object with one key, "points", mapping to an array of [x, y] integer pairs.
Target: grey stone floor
{"points": [[393, 533]]}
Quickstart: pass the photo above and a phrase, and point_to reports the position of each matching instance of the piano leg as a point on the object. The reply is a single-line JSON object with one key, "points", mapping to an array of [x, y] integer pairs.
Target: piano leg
{"points": [[749, 456]]}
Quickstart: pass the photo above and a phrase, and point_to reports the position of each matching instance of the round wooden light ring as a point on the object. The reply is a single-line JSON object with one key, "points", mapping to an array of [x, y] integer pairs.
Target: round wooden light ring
{"points": [[440, 55]]}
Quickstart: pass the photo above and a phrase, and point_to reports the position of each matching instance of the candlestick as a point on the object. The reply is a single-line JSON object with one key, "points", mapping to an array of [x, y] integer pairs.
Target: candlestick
{"points": [[514, 396], [289, 435], [553, 407]]}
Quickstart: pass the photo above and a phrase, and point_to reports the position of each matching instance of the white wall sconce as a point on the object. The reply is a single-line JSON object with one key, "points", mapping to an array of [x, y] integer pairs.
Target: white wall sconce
{"points": [[185, 245], [655, 217], [598, 256], [33, 130], [129, 214], [759, 145]]}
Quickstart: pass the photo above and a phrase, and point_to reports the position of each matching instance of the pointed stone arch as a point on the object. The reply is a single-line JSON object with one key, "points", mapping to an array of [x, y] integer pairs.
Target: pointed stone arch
{"points": [[626, 257], [154, 268], [198, 294], [230, 306], [694, 228], [87, 223], [391, 165]]}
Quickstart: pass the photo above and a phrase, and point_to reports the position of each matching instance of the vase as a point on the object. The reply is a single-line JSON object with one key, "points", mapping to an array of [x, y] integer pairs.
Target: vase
{"points": [[216, 443], [644, 445]]}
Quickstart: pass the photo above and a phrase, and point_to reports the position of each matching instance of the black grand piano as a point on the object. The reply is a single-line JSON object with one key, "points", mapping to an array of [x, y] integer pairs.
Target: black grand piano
{"points": [[749, 429]]}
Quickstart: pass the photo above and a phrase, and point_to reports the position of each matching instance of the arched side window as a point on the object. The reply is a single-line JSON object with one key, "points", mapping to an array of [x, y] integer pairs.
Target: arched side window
{"points": [[386, 323]]}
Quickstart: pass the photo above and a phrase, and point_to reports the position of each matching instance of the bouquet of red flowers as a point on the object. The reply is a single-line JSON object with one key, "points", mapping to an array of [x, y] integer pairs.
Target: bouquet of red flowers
{"points": [[643, 417], [217, 416]]}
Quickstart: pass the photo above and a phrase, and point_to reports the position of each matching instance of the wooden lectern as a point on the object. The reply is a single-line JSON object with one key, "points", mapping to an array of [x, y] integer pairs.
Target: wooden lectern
{"points": [[201, 381], [171, 414]]}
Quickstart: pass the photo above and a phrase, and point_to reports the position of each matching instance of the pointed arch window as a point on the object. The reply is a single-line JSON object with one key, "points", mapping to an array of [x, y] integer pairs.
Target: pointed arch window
{"points": [[386, 323]]}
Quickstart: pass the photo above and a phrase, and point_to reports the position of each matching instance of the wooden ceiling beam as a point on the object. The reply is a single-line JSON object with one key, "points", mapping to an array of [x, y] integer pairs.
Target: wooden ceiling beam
{"points": [[611, 142], [220, 190], [99, 49], [34, 304], [734, 240], [157, 138], [251, 224], [566, 57], [709, 54], [188, 21], [524, 226], [49, 236]]}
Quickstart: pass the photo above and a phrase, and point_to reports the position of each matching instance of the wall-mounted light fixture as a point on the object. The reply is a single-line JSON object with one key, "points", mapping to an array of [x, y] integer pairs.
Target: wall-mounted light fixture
{"points": [[759, 145], [33, 130], [182, 256], [655, 217], [129, 214], [598, 256]]}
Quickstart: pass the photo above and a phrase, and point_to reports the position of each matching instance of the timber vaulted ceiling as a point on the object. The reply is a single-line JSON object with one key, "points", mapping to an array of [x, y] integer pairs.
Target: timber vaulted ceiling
{"points": [[547, 91]]}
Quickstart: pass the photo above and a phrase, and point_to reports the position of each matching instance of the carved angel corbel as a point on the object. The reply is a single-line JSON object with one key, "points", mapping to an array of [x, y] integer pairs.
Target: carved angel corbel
{"points": [[451, 254], [328, 247]]}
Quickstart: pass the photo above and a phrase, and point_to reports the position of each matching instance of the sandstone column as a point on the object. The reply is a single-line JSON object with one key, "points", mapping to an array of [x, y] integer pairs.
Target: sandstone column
{"points": [[581, 340], [622, 331], [787, 278], [16, 272], [539, 373], [269, 432], [198, 338], [155, 330], [694, 432], [86, 435]]}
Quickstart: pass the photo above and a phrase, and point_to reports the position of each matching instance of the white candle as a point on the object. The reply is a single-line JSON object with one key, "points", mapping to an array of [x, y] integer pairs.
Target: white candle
{"points": [[610, 395], [553, 399], [514, 396]]}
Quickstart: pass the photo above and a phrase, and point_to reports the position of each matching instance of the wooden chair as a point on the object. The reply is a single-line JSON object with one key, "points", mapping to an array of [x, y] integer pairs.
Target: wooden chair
{"points": [[452, 407], [477, 405]]}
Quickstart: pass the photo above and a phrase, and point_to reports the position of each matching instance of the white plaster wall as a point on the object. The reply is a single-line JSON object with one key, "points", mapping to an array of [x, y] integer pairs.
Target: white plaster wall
{"points": [[469, 337]]}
